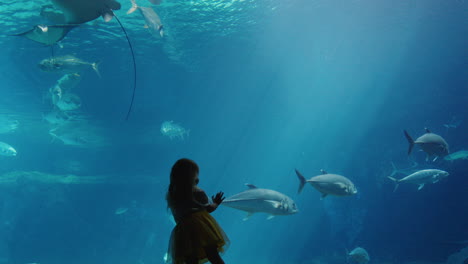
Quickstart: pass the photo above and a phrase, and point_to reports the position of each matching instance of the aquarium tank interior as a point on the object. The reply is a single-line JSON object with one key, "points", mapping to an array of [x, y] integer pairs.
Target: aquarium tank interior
{"points": [[337, 130]]}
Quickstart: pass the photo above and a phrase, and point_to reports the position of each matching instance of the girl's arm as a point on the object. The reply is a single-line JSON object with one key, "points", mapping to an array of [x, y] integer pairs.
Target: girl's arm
{"points": [[217, 200]]}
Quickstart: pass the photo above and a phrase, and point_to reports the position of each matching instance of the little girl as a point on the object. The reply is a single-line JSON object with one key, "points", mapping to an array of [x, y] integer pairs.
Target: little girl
{"points": [[197, 237]]}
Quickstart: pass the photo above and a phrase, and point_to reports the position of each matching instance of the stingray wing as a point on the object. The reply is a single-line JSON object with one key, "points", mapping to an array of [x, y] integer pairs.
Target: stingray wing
{"points": [[47, 35]]}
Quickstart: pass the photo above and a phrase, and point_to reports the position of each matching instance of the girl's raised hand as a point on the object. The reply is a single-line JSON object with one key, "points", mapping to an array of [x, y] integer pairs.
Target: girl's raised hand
{"points": [[218, 198]]}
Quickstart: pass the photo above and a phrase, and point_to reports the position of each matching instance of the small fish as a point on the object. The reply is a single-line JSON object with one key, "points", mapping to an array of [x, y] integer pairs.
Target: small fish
{"points": [[432, 144], [66, 64], [358, 256], [68, 102], [326, 183], [153, 22], [7, 150], [256, 200], [69, 138], [121, 210], [462, 154], [171, 130], [421, 178], [8, 125]]}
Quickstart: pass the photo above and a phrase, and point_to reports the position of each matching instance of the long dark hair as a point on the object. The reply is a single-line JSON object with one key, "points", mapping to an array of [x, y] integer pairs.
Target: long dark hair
{"points": [[180, 187]]}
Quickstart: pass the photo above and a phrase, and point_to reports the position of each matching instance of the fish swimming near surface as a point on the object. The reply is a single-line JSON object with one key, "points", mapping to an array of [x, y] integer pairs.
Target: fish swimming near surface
{"points": [[67, 64], [257, 200], [358, 256], [462, 154], [433, 144], [7, 150], [326, 183], [153, 22], [421, 178]]}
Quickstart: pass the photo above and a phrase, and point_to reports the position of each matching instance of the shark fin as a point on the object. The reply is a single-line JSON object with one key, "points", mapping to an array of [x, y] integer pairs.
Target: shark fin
{"points": [[323, 196], [270, 217], [420, 186], [323, 172], [427, 130]]}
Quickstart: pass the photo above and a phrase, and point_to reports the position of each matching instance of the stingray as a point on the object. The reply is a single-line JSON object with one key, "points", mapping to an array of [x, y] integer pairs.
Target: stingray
{"points": [[77, 12]]}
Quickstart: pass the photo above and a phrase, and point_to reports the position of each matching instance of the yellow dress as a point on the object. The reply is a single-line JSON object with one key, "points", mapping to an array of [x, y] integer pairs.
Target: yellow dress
{"points": [[193, 233]]}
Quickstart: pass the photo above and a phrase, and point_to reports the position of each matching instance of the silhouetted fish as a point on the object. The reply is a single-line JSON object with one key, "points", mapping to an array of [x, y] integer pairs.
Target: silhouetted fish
{"points": [[432, 144], [421, 177], [153, 22], [326, 183]]}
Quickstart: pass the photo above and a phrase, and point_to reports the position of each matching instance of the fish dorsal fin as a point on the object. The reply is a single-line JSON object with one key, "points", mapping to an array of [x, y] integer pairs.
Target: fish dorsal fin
{"points": [[251, 186], [420, 186], [323, 172], [427, 130]]}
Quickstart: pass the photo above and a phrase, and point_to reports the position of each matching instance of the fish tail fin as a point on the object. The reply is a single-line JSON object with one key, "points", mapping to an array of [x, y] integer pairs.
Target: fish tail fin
{"points": [[396, 181], [133, 8], [410, 141], [95, 66], [302, 181]]}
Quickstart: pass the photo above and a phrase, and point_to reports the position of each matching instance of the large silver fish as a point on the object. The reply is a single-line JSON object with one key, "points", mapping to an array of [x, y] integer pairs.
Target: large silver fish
{"points": [[421, 178], [153, 22], [326, 183], [257, 200], [433, 144], [66, 64], [7, 150]]}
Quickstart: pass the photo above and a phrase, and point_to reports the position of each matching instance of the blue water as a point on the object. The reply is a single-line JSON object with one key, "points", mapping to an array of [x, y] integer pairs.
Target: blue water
{"points": [[264, 86]]}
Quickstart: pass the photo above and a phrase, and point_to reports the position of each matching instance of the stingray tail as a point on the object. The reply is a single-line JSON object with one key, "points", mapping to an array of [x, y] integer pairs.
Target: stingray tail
{"points": [[410, 142], [134, 67], [302, 181], [396, 181], [133, 8]]}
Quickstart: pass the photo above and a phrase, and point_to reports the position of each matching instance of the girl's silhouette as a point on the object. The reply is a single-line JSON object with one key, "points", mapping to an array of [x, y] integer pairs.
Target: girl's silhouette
{"points": [[197, 237]]}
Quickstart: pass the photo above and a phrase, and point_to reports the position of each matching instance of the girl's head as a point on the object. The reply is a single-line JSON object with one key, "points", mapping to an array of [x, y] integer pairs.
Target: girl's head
{"points": [[184, 175]]}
